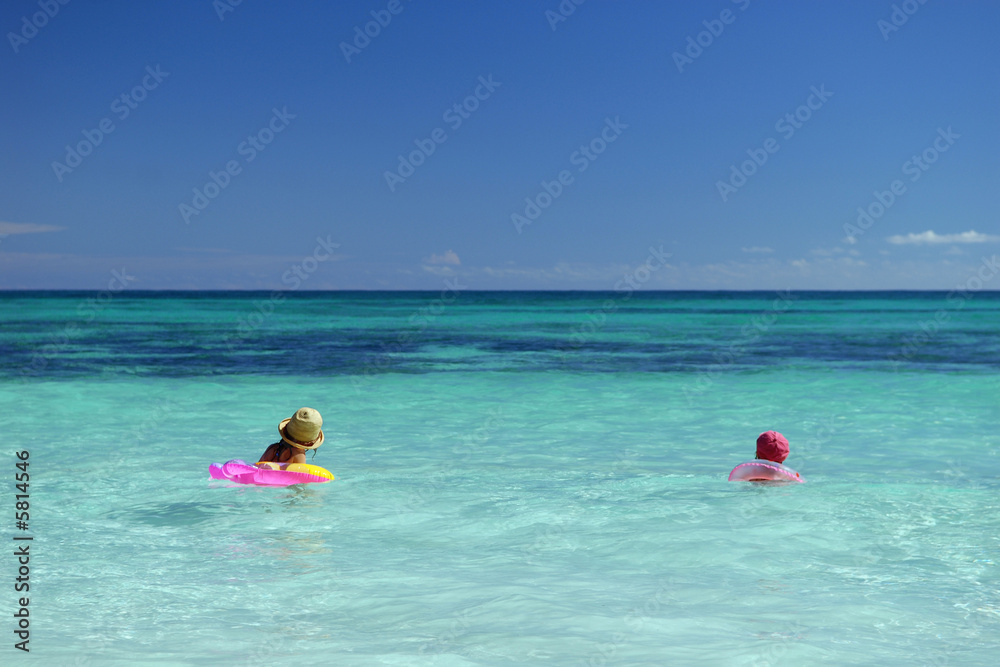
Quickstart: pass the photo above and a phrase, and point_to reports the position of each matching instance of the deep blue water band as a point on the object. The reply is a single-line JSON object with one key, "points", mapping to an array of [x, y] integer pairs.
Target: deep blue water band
{"points": [[183, 334]]}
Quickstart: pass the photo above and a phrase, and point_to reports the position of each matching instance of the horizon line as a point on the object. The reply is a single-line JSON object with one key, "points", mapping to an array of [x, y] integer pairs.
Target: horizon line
{"points": [[15, 290]]}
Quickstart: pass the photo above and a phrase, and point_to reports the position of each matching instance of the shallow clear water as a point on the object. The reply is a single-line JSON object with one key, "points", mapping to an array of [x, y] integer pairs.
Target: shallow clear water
{"points": [[513, 486]]}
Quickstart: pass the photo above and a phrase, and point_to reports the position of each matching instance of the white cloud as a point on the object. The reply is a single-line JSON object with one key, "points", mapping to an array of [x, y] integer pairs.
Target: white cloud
{"points": [[447, 258], [7, 228], [439, 270], [827, 252], [195, 271], [569, 274], [930, 237], [757, 248]]}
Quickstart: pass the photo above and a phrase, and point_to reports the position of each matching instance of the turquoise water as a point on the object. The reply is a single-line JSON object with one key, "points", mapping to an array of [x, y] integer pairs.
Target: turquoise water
{"points": [[522, 478]]}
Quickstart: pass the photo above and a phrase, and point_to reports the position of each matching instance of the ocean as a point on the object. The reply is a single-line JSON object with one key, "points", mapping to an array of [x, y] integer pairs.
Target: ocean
{"points": [[530, 478]]}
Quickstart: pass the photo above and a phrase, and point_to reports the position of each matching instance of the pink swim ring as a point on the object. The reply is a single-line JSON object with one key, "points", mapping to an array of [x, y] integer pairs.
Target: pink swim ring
{"points": [[269, 474], [760, 470]]}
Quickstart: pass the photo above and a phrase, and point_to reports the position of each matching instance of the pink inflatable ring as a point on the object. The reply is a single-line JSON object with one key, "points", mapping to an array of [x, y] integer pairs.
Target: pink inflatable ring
{"points": [[269, 474], [760, 470]]}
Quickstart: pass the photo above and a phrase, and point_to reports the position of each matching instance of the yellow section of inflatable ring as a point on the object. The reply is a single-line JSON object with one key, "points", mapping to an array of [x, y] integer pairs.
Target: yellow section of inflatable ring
{"points": [[307, 468]]}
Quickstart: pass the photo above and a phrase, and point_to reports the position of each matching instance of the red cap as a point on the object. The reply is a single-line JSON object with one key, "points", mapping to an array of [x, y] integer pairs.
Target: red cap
{"points": [[772, 446]]}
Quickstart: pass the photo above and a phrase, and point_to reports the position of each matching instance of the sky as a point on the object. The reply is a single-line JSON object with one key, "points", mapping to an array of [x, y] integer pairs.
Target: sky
{"points": [[408, 144]]}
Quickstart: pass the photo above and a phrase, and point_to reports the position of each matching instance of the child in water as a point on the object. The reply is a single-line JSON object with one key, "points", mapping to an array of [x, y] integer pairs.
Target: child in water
{"points": [[772, 446], [299, 433]]}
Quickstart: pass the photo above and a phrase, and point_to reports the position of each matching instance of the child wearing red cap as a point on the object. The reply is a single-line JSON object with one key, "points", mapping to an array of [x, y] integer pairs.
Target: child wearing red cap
{"points": [[772, 446], [772, 450]]}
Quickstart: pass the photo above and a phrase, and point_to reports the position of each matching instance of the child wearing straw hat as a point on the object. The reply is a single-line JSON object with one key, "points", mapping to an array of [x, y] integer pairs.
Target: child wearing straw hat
{"points": [[302, 431]]}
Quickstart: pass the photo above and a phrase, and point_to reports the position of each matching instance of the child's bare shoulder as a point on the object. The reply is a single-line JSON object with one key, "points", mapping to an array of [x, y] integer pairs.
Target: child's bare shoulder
{"points": [[268, 454]]}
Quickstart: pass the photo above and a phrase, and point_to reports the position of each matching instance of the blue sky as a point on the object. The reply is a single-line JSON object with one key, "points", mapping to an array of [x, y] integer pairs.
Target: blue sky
{"points": [[259, 146]]}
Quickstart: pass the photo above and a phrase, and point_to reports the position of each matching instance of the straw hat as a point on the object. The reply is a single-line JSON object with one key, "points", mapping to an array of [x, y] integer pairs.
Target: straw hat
{"points": [[303, 429]]}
